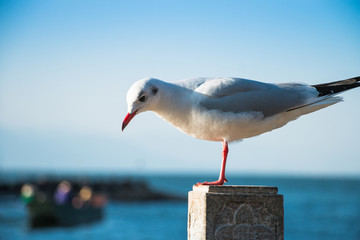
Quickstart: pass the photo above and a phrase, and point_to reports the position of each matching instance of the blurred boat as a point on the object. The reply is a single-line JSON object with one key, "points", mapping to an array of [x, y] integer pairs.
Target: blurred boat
{"points": [[64, 208], [49, 214]]}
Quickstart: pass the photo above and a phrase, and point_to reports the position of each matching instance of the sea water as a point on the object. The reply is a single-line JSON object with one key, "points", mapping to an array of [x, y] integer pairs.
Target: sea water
{"points": [[315, 208]]}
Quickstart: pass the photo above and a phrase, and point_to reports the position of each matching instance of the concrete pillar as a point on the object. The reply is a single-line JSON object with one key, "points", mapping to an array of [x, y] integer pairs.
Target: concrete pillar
{"points": [[235, 212]]}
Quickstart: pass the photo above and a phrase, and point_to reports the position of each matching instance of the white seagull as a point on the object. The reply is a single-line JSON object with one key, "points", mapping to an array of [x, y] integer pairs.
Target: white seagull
{"points": [[230, 109]]}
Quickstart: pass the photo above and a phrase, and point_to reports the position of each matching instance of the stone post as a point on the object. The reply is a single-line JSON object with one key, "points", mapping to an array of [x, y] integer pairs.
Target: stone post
{"points": [[235, 212]]}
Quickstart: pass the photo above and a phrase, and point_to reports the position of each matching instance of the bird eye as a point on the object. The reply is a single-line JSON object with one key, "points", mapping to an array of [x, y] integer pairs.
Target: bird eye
{"points": [[142, 98]]}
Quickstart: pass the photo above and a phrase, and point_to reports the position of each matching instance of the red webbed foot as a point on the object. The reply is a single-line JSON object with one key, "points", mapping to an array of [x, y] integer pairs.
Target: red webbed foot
{"points": [[216, 183]]}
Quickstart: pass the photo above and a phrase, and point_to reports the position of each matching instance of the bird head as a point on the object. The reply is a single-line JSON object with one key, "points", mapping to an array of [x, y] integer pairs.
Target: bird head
{"points": [[141, 96]]}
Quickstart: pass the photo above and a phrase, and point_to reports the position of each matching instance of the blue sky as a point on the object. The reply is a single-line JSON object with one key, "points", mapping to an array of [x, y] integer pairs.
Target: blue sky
{"points": [[65, 67]]}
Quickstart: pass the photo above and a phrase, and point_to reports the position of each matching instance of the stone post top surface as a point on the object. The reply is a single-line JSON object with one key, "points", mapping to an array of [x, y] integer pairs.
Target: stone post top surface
{"points": [[236, 189]]}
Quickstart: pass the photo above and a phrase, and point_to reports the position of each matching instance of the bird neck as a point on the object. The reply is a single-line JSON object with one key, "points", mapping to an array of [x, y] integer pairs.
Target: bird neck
{"points": [[175, 104]]}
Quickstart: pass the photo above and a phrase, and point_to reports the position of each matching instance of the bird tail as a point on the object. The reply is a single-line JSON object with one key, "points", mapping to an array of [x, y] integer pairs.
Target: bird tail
{"points": [[327, 94], [333, 88]]}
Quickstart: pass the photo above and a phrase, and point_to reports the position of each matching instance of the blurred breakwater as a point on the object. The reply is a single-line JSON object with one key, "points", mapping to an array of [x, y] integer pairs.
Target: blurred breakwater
{"points": [[114, 189]]}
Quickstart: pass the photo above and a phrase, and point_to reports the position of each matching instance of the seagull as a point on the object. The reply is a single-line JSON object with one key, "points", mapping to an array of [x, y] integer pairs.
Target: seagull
{"points": [[230, 109]]}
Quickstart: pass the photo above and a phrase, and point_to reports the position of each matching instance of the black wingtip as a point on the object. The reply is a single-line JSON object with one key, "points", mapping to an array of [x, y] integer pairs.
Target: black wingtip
{"points": [[337, 87]]}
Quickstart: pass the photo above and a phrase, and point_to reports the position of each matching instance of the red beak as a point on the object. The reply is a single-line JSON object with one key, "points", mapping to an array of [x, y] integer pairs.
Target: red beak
{"points": [[127, 119]]}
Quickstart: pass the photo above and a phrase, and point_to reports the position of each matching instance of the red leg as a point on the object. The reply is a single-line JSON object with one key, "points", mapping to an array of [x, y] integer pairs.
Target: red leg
{"points": [[222, 178]]}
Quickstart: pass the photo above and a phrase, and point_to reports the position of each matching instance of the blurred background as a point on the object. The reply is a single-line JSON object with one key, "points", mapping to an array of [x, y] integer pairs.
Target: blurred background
{"points": [[65, 67]]}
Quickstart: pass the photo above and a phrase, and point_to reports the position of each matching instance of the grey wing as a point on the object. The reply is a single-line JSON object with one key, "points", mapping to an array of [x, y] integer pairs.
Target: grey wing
{"points": [[269, 99], [218, 87], [221, 86], [192, 83]]}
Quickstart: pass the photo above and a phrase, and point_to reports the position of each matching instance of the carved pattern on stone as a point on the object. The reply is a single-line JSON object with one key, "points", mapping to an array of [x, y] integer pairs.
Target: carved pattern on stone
{"points": [[244, 224]]}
